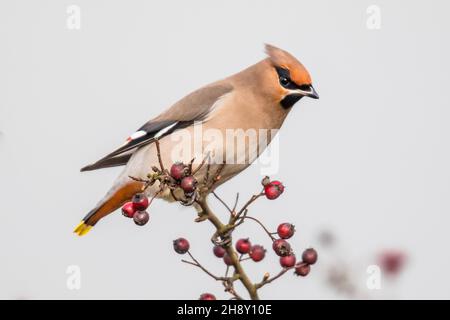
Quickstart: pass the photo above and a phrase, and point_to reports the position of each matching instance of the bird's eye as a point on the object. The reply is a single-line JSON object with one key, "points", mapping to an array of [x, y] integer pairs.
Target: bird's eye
{"points": [[284, 81], [284, 77]]}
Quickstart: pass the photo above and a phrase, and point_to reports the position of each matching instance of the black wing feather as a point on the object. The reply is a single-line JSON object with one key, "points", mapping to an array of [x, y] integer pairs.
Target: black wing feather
{"points": [[194, 107], [121, 155]]}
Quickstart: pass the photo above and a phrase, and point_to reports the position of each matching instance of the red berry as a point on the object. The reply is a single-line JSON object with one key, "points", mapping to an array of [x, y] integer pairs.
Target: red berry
{"points": [[309, 256], [257, 253], [287, 261], [273, 190], [128, 210], [281, 247], [207, 296], [227, 259], [181, 245], [140, 201], [243, 246], [302, 269], [188, 184], [178, 171], [392, 261], [286, 230], [141, 218], [219, 251]]}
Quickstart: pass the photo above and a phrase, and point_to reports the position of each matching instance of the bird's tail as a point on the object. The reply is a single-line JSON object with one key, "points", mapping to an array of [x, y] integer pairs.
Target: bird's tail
{"points": [[110, 203]]}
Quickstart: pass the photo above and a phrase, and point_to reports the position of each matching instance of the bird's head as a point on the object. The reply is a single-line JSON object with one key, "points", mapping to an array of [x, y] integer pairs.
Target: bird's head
{"points": [[288, 79]]}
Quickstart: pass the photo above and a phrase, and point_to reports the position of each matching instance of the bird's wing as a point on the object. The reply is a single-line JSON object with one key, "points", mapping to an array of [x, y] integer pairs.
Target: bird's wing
{"points": [[194, 107]]}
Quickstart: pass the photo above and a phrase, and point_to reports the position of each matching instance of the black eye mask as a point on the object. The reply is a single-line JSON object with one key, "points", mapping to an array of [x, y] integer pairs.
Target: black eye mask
{"points": [[285, 79]]}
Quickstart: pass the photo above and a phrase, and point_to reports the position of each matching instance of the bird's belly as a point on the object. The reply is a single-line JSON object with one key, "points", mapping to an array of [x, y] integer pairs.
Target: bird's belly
{"points": [[227, 155]]}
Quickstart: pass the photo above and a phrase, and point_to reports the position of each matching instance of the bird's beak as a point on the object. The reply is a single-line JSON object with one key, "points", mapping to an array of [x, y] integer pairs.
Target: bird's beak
{"points": [[313, 94], [310, 92]]}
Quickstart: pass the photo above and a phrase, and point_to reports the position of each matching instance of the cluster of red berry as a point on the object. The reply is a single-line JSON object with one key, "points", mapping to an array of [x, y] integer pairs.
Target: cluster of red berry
{"points": [[181, 173], [181, 176], [257, 253], [280, 246], [136, 209]]}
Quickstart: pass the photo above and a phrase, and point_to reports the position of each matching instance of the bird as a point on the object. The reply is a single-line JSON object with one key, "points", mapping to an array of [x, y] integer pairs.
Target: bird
{"points": [[257, 98]]}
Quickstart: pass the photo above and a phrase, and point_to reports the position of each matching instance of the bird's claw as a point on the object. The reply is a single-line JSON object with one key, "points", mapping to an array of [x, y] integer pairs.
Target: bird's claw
{"points": [[222, 241], [191, 198]]}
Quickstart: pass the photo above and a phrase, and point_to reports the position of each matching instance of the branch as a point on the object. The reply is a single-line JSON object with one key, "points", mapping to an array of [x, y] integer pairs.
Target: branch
{"points": [[200, 165], [247, 204], [229, 287], [197, 264], [223, 202], [222, 231], [159, 155], [236, 202], [242, 219], [269, 280], [222, 235], [216, 176]]}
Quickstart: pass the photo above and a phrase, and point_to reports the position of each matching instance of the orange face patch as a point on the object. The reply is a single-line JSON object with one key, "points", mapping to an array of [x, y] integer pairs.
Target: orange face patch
{"points": [[285, 60]]}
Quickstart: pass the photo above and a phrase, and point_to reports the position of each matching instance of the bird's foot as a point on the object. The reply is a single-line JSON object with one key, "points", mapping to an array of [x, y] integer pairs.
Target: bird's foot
{"points": [[221, 240]]}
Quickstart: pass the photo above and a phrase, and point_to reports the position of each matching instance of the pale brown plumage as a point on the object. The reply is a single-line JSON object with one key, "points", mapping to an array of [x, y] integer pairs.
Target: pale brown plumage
{"points": [[259, 97]]}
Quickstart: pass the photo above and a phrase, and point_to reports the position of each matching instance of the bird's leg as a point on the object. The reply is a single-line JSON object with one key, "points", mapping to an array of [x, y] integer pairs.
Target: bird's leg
{"points": [[223, 239], [190, 199]]}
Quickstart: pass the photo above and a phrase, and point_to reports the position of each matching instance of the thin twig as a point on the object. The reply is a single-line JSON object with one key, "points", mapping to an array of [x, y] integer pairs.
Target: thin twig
{"points": [[217, 176], [270, 234], [248, 203], [208, 168], [138, 179], [221, 201], [146, 182], [236, 202], [229, 287], [241, 219], [190, 164], [161, 188], [197, 264], [200, 165], [267, 281], [158, 150]]}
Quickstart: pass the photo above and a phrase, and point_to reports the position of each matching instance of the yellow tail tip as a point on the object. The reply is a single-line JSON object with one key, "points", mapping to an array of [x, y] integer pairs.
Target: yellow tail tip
{"points": [[82, 228]]}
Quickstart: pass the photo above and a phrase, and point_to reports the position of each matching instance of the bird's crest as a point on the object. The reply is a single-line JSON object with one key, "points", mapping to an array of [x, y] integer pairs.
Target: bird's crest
{"points": [[283, 59]]}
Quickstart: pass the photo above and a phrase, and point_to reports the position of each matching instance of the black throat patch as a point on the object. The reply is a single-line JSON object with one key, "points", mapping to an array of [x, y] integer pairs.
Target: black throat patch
{"points": [[290, 100]]}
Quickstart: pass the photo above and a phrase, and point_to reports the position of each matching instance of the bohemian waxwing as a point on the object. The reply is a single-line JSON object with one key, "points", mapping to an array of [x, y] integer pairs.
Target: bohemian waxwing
{"points": [[257, 98]]}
